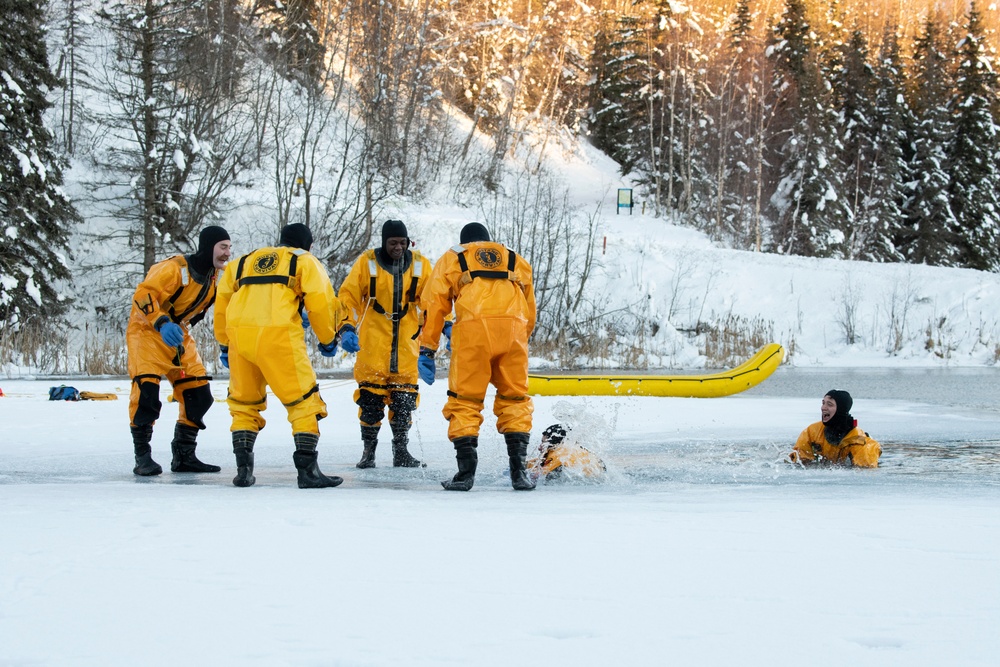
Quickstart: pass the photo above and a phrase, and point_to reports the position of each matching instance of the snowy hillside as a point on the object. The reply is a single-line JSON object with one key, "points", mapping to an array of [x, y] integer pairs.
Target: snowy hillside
{"points": [[657, 294], [661, 291], [825, 312]]}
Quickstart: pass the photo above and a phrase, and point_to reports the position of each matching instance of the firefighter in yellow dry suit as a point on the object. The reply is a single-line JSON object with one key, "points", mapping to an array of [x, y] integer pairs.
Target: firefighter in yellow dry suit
{"points": [[260, 329], [173, 297], [382, 318], [837, 438], [561, 458], [490, 288]]}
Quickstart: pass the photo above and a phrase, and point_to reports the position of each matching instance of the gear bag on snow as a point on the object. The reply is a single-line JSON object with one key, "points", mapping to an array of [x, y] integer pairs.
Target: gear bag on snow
{"points": [[63, 393]]}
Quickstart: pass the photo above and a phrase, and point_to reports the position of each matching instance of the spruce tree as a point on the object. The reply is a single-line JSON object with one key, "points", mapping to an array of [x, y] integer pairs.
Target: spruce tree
{"points": [[870, 151], [893, 124], [618, 68], [35, 214], [811, 214], [930, 233], [974, 176], [854, 89], [736, 107]]}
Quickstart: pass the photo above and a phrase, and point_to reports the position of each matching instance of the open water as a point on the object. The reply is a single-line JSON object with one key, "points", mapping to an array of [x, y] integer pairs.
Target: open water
{"points": [[937, 427]]}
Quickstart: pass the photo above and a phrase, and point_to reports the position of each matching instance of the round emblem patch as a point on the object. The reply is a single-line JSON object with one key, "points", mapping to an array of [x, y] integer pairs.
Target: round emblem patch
{"points": [[265, 263], [488, 257]]}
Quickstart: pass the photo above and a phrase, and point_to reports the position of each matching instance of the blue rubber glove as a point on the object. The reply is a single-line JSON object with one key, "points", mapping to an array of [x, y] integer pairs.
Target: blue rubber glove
{"points": [[224, 355], [349, 340], [447, 332], [328, 349], [425, 365], [305, 318], [172, 334]]}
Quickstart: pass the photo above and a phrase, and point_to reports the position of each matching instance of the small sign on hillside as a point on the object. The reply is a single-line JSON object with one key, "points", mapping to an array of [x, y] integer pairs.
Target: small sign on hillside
{"points": [[624, 200]]}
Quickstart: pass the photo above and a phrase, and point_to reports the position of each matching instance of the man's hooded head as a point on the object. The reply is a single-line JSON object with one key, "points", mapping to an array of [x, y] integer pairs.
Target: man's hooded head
{"points": [[395, 231], [474, 231], [554, 434], [841, 423], [842, 399], [203, 261], [296, 235]]}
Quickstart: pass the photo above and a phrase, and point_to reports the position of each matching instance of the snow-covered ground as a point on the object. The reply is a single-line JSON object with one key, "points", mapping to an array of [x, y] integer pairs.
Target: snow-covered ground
{"points": [[701, 547]]}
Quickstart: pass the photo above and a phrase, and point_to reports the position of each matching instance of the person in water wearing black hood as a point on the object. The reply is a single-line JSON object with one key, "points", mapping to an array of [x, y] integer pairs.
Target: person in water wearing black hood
{"points": [[837, 438], [173, 297], [381, 297], [561, 457]]}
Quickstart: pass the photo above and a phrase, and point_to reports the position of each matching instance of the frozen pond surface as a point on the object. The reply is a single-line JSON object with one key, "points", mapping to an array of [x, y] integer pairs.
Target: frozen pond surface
{"points": [[936, 426]]}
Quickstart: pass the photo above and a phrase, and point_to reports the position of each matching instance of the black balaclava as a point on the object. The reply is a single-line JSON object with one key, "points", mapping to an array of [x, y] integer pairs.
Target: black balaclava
{"points": [[474, 231], [202, 262], [393, 229], [842, 422], [554, 434], [296, 235]]}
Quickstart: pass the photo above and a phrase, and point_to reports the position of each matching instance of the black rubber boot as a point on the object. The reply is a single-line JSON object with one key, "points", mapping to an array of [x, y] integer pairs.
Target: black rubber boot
{"points": [[145, 466], [183, 447], [369, 437], [305, 456], [517, 450], [401, 457], [243, 449], [467, 458]]}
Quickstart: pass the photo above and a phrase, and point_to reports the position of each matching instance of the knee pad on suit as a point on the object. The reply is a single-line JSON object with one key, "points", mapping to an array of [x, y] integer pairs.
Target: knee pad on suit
{"points": [[372, 407], [148, 409], [197, 401]]}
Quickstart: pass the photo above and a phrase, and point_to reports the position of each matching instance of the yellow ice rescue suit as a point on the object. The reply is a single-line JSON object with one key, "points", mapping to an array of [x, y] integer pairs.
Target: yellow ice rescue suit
{"points": [[855, 448], [259, 300], [382, 304], [169, 292], [567, 461], [490, 288]]}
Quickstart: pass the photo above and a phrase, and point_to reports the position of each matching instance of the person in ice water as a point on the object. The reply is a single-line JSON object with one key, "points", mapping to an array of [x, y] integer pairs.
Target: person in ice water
{"points": [[837, 438], [560, 457], [381, 321], [490, 289], [172, 298]]}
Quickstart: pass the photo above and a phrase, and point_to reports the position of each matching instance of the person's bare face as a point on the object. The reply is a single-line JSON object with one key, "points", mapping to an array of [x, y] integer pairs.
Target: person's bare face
{"points": [[221, 253], [828, 409], [395, 246]]}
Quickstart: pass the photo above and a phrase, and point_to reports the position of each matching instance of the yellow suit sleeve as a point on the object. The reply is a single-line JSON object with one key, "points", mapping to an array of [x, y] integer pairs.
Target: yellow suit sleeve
{"points": [[866, 454], [223, 294], [353, 293], [320, 301], [803, 450], [156, 288], [436, 300]]}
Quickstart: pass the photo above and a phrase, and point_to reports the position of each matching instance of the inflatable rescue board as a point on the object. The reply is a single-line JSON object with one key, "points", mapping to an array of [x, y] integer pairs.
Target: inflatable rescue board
{"points": [[724, 383]]}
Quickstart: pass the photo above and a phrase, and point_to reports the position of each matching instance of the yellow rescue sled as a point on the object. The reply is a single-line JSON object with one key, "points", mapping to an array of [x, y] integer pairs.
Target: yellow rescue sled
{"points": [[724, 383]]}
